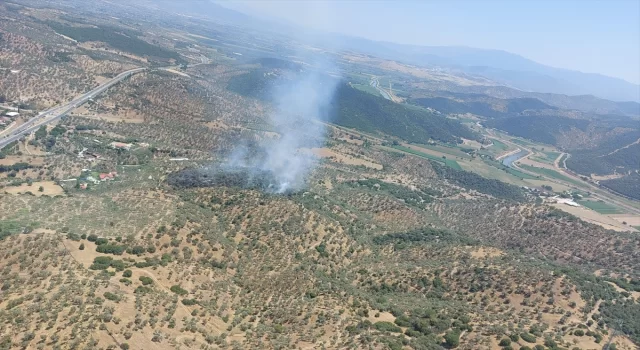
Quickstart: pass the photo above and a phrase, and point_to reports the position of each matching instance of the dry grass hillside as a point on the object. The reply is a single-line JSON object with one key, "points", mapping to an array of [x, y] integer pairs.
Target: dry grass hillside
{"points": [[380, 250]]}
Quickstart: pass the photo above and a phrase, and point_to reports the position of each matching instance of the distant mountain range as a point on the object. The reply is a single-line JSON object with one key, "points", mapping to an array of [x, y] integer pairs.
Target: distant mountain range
{"points": [[504, 68]]}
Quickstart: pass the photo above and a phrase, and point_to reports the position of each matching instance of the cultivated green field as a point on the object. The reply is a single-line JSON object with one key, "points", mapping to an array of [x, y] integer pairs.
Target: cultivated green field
{"points": [[499, 145], [601, 207], [552, 156], [551, 174], [453, 151], [448, 162], [511, 171], [545, 157], [367, 88]]}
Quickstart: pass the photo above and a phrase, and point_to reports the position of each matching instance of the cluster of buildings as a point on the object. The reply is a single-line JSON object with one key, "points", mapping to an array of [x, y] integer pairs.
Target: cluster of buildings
{"points": [[537, 192], [102, 177], [568, 201], [8, 118], [90, 156], [566, 198]]}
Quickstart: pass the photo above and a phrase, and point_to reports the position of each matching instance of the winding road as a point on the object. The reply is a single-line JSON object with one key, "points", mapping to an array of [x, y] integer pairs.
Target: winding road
{"points": [[598, 192], [55, 113]]}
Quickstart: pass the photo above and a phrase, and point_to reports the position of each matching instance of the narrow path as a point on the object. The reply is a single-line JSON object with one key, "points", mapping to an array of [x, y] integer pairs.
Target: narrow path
{"points": [[556, 163], [621, 148]]}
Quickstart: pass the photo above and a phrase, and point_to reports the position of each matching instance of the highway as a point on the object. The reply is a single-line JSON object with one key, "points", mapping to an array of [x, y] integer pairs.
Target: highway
{"points": [[58, 112]]}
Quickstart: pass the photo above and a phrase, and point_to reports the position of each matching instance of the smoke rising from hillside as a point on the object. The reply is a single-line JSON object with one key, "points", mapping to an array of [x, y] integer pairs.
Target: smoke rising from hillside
{"points": [[300, 103]]}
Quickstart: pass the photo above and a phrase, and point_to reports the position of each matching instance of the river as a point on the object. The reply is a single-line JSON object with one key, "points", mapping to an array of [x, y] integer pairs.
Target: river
{"points": [[508, 161]]}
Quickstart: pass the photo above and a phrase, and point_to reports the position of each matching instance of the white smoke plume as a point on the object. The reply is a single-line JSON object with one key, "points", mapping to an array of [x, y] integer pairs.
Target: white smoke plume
{"points": [[301, 107]]}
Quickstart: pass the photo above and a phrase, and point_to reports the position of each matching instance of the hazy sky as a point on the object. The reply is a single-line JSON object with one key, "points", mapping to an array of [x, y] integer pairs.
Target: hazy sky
{"points": [[586, 35]]}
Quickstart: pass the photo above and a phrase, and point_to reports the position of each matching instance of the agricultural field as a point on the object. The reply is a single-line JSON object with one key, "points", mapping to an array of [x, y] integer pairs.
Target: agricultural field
{"points": [[601, 207], [545, 157], [367, 88], [441, 159], [552, 174]]}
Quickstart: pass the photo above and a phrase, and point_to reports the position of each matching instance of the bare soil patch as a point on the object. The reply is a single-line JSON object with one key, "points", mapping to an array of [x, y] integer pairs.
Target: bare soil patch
{"points": [[632, 220], [606, 177], [10, 160], [342, 158], [49, 188], [177, 72], [486, 252], [594, 217]]}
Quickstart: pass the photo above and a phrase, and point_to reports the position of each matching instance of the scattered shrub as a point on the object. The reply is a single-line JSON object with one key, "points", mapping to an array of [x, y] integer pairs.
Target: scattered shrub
{"points": [[178, 290], [146, 280], [384, 326]]}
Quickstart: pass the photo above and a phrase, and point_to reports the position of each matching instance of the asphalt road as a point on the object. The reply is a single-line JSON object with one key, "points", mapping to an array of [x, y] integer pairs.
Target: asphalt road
{"points": [[58, 112]]}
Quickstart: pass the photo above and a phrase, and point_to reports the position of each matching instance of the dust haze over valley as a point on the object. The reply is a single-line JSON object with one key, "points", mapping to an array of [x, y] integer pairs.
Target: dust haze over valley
{"points": [[200, 175]]}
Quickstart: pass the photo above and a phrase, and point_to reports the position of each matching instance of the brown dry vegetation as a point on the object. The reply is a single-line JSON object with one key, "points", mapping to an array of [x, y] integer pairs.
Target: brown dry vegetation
{"points": [[232, 268]]}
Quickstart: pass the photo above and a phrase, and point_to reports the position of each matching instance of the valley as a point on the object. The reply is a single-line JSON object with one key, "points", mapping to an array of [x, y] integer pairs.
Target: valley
{"points": [[172, 179]]}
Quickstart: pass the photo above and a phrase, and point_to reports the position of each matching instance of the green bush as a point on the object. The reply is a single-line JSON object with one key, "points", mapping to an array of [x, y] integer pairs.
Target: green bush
{"points": [[142, 290], [403, 321], [528, 337], [578, 332], [92, 238], [505, 342], [136, 250], [104, 262], [73, 236], [111, 296], [146, 280], [452, 339], [110, 249], [178, 290], [384, 326], [127, 273], [189, 302]]}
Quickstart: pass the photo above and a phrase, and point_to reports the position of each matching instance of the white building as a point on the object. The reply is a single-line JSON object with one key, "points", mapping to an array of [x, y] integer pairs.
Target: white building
{"points": [[566, 201]]}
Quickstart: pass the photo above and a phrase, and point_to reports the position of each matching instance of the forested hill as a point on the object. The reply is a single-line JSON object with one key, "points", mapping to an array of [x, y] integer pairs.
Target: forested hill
{"points": [[505, 108], [604, 146], [357, 109], [545, 129]]}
